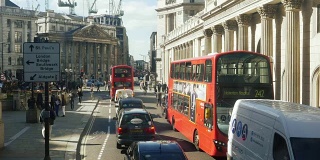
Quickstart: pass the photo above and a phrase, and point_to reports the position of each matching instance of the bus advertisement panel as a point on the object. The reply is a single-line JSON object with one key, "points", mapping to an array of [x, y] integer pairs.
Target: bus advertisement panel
{"points": [[121, 78], [203, 90]]}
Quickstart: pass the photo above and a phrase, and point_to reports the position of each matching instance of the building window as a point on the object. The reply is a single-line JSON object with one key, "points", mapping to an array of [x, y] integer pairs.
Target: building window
{"points": [[18, 36], [191, 13], [191, 1], [9, 61], [17, 48], [318, 18], [20, 61], [53, 28], [61, 28], [40, 28], [18, 24], [70, 28], [29, 24], [9, 36], [8, 49], [29, 37], [8, 22]]}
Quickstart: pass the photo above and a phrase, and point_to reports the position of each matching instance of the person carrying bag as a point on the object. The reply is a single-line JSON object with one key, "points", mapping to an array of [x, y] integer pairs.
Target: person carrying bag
{"points": [[50, 119]]}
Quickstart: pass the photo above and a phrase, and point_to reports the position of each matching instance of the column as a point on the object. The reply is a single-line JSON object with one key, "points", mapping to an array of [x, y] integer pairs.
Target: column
{"points": [[243, 23], [12, 32], [267, 14], [95, 60], [292, 63], [207, 42], [102, 61], [88, 55], [72, 54], [81, 50], [25, 31], [217, 38], [190, 49], [229, 28]]}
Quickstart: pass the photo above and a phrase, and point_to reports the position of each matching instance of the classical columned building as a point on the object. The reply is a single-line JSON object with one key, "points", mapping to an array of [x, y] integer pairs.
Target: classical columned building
{"points": [[287, 31], [88, 50]]}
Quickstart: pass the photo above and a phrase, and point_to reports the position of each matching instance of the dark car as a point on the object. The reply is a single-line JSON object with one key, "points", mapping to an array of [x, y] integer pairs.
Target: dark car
{"points": [[134, 125], [155, 150], [130, 102]]}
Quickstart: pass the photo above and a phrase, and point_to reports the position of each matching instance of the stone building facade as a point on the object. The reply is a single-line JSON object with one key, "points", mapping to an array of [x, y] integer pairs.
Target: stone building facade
{"points": [[287, 31], [16, 27], [85, 47]]}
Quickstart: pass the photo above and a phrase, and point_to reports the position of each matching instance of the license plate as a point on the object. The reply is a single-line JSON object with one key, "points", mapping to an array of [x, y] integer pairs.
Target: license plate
{"points": [[136, 131]]}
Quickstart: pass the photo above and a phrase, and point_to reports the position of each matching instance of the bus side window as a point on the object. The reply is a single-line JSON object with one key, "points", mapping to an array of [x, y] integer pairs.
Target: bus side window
{"points": [[177, 70], [200, 72], [182, 70], [188, 71], [208, 115], [194, 72], [280, 148], [208, 71]]}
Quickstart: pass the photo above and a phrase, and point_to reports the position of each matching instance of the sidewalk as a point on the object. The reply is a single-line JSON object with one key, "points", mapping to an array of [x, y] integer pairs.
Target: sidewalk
{"points": [[24, 141]]}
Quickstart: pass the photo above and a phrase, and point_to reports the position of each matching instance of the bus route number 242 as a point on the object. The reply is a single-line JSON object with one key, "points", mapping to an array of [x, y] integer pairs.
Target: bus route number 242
{"points": [[259, 93]]}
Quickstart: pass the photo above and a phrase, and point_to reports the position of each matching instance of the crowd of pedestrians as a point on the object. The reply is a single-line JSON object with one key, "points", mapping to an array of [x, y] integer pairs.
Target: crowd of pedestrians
{"points": [[57, 105]]}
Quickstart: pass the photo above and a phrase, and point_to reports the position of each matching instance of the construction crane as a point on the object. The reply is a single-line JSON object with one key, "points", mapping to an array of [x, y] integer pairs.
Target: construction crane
{"points": [[47, 4], [119, 12], [92, 9], [69, 4]]}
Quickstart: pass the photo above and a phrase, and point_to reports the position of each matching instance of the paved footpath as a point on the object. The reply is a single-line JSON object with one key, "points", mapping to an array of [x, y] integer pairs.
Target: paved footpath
{"points": [[24, 141]]}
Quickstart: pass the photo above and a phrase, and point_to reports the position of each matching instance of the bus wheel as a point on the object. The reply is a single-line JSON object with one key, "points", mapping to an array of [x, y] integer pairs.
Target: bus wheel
{"points": [[196, 140], [173, 125]]}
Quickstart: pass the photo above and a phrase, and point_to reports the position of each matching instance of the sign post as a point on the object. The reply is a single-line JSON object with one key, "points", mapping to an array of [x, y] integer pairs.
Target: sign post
{"points": [[42, 64]]}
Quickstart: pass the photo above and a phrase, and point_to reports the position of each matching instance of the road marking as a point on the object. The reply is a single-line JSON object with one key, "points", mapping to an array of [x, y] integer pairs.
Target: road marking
{"points": [[16, 136], [104, 143], [84, 141], [109, 110], [109, 119]]}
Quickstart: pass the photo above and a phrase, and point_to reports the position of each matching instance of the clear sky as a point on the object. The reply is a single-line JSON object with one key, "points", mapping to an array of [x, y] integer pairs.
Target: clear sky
{"points": [[139, 18]]}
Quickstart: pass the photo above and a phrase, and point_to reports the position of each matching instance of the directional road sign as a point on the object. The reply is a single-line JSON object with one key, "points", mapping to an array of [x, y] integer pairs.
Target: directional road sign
{"points": [[41, 62]]}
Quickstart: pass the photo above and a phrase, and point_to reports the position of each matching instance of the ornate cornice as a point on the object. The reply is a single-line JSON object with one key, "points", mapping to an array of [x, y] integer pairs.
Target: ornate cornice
{"points": [[267, 10], [217, 29], [207, 32], [230, 25], [292, 4], [244, 19]]}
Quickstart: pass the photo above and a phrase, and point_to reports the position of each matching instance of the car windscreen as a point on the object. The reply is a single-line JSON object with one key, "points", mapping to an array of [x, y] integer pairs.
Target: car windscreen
{"points": [[135, 117], [162, 155], [131, 105], [305, 148]]}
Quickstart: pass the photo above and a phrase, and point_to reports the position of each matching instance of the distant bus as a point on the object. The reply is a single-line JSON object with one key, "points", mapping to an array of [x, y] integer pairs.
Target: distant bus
{"points": [[121, 77], [203, 91]]}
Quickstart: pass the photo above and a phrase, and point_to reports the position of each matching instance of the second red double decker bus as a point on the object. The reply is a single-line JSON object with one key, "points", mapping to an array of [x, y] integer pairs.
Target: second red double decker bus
{"points": [[203, 91], [121, 78]]}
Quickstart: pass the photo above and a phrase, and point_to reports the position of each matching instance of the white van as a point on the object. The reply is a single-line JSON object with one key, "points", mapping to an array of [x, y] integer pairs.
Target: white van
{"points": [[271, 129]]}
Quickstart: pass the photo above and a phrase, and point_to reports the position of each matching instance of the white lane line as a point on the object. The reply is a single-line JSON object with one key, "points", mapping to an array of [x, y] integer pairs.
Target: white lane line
{"points": [[109, 119], [16, 136], [109, 110], [84, 141], [104, 143]]}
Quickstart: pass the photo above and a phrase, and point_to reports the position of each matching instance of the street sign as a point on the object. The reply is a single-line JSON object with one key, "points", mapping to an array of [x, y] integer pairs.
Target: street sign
{"points": [[41, 62]]}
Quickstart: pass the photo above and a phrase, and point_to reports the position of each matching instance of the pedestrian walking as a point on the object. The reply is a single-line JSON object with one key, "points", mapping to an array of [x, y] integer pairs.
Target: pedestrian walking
{"points": [[63, 105], [91, 87], [98, 87], [164, 87], [57, 106], [51, 119], [80, 94], [40, 101], [71, 96], [159, 98], [52, 100]]}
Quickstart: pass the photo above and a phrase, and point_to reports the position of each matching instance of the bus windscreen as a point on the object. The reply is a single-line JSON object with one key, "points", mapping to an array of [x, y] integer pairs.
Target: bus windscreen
{"points": [[122, 72]]}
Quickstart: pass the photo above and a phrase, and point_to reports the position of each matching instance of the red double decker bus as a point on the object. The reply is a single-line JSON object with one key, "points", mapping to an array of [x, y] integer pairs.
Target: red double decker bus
{"points": [[121, 78], [203, 91]]}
